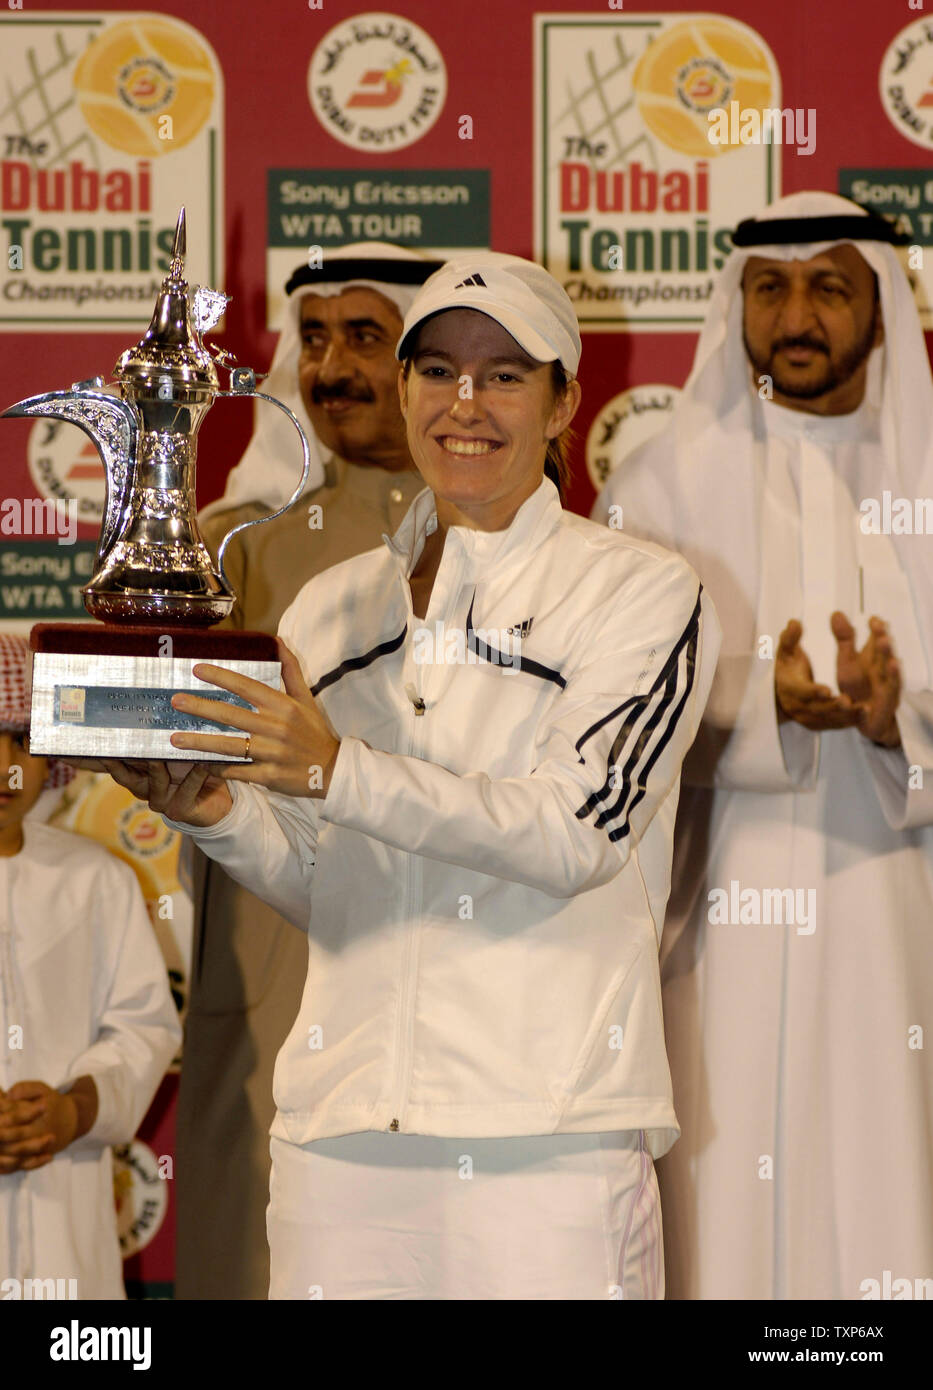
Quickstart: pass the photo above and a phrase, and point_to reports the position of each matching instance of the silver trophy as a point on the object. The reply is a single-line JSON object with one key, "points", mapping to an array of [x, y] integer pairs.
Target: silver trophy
{"points": [[104, 689]]}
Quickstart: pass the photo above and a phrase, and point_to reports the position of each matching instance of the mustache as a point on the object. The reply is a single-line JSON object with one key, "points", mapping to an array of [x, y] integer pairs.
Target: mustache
{"points": [[802, 342], [341, 390]]}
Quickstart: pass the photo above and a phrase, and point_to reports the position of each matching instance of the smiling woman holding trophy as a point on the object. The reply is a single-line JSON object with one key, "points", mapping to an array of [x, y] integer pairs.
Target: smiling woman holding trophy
{"points": [[465, 796]]}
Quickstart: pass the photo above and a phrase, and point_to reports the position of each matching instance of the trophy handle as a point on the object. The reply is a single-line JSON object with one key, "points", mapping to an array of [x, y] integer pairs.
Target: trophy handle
{"points": [[260, 520]]}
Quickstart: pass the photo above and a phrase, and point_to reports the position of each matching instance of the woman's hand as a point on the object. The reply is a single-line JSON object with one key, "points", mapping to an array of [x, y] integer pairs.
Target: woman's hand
{"points": [[291, 746], [193, 793]]}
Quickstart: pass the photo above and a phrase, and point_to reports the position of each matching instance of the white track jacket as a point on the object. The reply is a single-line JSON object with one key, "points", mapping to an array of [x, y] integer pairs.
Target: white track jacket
{"points": [[484, 884]]}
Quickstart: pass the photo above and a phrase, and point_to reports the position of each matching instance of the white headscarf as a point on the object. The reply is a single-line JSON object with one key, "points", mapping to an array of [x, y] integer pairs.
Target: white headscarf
{"points": [[270, 468], [720, 373], [718, 407]]}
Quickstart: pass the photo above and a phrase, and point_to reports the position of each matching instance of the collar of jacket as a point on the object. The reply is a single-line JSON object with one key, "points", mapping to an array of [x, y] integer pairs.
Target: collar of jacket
{"points": [[535, 519]]}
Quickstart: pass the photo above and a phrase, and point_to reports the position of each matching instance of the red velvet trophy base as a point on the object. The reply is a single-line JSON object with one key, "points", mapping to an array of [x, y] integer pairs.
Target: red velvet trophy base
{"points": [[205, 644]]}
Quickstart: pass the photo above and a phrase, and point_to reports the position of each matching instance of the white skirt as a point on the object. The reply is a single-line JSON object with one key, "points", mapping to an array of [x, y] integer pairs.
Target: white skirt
{"points": [[409, 1216]]}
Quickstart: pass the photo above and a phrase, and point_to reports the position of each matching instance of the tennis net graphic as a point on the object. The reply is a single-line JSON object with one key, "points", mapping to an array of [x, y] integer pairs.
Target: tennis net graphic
{"points": [[603, 110], [45, 110]]}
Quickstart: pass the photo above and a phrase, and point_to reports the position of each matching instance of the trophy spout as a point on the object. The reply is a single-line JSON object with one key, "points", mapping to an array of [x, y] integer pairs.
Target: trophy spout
{"points": [[113, 425]]}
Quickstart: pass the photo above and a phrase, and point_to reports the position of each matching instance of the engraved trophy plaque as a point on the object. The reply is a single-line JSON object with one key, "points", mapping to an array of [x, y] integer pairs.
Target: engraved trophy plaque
{"points": [[103, 689]]}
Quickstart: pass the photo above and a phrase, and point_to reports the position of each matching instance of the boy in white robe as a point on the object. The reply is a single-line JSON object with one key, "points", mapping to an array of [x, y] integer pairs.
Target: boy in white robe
{"points": [[87, 1026], [797, 957]]}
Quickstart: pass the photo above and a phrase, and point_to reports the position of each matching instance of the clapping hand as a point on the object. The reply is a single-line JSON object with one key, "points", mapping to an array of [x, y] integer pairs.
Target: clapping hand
{"points": [[797, 694], [869, 683], [871, 678]]}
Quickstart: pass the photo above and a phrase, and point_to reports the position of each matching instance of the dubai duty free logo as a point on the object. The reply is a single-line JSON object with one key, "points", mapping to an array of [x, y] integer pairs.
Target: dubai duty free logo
{"points": [[377, 82], [906, 82]]}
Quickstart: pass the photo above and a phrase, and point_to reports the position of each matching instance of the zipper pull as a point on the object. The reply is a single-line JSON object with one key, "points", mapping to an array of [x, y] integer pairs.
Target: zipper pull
{"points": [[394, 1126], [415, 698]]}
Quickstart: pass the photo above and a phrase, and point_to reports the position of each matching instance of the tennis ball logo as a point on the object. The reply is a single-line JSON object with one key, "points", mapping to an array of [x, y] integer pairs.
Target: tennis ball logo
{"points": [[695, 67], [137, 74]]}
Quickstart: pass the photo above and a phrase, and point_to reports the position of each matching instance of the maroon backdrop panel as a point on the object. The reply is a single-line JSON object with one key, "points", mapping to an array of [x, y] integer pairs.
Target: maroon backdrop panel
{"points": [[828, 58], [828, 55]]}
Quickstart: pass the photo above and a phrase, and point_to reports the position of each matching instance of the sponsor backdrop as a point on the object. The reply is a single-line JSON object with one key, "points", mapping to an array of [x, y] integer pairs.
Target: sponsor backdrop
{"points": [[577, 133]]}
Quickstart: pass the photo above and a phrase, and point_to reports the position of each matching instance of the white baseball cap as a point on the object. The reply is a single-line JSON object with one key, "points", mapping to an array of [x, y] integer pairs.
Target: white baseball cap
{"points": [[520, 295]]}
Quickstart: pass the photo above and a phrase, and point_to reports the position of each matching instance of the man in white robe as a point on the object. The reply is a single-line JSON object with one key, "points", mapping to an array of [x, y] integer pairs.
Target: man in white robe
{"points": [[88, 1028], [797, 959]]}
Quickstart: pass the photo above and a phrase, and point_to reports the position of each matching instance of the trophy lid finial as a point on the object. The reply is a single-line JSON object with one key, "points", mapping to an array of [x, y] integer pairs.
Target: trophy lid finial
{"points": [[170, 349], [179, 249]]}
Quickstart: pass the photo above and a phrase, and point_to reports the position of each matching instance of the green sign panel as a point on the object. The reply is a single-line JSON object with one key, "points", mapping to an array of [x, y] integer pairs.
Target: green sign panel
{"points": [[410, 207], [41, 581], [905, 196]]}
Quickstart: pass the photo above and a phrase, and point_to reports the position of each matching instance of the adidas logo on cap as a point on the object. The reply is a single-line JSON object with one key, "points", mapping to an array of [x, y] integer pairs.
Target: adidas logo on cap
{"points": [[523, 298]]}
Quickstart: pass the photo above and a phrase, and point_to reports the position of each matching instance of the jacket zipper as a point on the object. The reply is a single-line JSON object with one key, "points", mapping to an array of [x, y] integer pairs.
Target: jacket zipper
{"points": [[402, 1038], [404, 1041], [407, 1013]]}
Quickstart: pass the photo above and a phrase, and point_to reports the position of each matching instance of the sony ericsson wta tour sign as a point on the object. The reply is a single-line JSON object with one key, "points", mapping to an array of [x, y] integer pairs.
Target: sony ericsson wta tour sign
{"points": [[654, 136], [108, 123]]}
